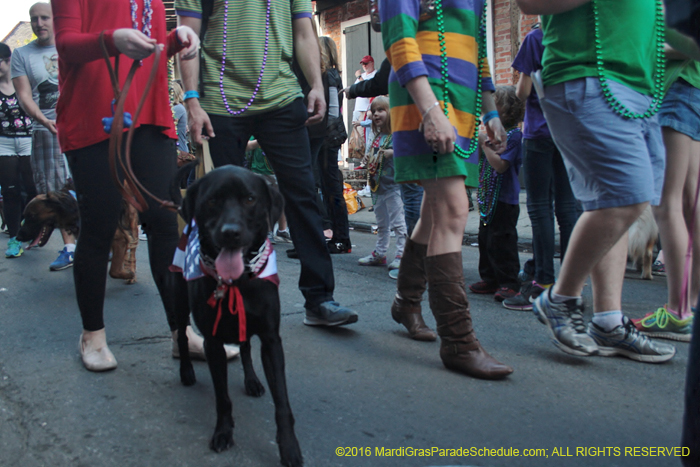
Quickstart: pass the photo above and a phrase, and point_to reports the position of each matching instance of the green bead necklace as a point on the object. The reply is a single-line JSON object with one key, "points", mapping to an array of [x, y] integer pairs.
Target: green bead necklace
{"points": [[490, 183], [659, 73], [444, 71]]}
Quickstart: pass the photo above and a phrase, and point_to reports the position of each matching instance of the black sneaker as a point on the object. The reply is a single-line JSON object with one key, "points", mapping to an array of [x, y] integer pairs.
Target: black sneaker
{"points": [[329, 314], [292, 253], [525, 298]]}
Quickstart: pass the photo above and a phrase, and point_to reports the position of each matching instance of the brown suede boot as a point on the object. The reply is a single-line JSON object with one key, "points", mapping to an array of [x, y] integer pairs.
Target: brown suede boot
{"points": [[460, 350], [410, 286]]}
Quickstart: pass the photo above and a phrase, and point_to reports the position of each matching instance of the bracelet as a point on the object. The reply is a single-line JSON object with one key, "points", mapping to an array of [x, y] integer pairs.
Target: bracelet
{"points": [[489, 116], [435, 104], [191, 94]]}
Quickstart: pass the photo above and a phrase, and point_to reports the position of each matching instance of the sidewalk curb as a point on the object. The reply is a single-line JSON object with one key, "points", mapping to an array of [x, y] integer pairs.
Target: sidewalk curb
{"points": [[467, 240]]}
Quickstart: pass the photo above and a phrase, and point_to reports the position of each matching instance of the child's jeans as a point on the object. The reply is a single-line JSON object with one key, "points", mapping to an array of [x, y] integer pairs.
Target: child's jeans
{"points": [[389, 212]]}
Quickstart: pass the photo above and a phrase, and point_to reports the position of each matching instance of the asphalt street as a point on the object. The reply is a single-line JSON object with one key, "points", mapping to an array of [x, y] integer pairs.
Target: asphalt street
{"points": [[365, 391]]}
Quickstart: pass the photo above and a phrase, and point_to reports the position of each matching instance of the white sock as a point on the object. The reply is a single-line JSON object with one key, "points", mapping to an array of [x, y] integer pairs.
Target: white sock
{"points": [[608, 320], [70, 247], [556, 298]]}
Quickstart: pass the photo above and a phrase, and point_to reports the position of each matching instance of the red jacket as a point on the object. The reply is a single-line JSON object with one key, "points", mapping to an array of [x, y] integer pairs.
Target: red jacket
{"points": [[86, 89]]}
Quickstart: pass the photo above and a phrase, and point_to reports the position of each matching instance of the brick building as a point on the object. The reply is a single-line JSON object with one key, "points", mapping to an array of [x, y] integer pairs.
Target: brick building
{"points": [[344, 20]]}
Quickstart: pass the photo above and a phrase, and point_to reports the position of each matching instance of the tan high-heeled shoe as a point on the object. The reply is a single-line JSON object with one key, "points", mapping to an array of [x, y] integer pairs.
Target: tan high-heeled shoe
{"points": [[94, 351]]}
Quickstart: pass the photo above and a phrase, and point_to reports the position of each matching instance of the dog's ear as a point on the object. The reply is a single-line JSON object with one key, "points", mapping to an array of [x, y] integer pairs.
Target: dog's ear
{"points": [[189, 202], [276, 203]]}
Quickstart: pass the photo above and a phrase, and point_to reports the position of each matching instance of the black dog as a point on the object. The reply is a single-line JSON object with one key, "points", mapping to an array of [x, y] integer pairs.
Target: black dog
{"points": [[233, 210]]}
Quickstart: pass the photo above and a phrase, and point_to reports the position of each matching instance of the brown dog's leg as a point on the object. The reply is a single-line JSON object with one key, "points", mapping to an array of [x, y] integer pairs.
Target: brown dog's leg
{"points": [[119, 247]]}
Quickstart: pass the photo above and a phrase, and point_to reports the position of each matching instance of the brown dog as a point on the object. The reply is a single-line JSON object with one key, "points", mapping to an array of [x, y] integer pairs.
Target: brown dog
{"points": [[59, 209]]}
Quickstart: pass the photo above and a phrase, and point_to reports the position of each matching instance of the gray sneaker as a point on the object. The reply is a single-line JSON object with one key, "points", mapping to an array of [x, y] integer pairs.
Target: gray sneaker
{"points": [[627, 341], [329, 314], [565, 322], [283, 236]]}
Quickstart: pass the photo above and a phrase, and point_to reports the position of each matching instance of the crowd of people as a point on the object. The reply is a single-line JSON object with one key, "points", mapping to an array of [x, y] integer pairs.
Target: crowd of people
{"points": [[601, 129]]}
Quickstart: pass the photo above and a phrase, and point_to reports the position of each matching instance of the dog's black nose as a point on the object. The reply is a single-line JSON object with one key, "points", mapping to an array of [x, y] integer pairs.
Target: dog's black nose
{"points": [[231, 232]]}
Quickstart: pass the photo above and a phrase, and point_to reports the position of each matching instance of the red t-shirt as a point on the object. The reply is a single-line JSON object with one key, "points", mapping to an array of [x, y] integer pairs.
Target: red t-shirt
{"points": [[86, 90]]}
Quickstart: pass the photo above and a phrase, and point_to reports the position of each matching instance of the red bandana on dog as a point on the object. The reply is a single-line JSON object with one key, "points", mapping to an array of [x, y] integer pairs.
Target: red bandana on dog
{"points": [[192, 265]]}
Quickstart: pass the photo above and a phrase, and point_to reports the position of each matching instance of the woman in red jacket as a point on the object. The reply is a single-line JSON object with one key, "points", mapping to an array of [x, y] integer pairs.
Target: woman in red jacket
{"points": [[133, 28]]}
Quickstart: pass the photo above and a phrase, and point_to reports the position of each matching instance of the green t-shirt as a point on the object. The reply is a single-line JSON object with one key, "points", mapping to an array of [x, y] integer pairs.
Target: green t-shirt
{"points": [[245, 48], [680, 69], [627, 39]]}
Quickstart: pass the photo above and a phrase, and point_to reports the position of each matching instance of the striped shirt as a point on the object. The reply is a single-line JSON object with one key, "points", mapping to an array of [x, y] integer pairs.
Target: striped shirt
{"points": [[412, 46], [245, 50]]}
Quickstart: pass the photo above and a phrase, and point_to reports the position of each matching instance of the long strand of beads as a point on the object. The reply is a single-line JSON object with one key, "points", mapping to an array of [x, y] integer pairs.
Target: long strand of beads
{"points": [[489, 187], [146, 16], [223, 62], [659, 73], [444, 72]]}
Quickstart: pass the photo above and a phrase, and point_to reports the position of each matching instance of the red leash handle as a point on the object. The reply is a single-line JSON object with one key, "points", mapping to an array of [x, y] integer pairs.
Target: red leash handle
{"points": [[131, 189]]}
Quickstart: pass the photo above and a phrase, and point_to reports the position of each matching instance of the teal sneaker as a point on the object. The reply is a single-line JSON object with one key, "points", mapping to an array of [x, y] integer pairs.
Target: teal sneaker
{"points": [[665, 325], [64, 260], [14, 248]]}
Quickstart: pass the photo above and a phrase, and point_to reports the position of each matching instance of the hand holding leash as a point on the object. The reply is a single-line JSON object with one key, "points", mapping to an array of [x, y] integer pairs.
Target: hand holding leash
{"points": [[133, 43]]}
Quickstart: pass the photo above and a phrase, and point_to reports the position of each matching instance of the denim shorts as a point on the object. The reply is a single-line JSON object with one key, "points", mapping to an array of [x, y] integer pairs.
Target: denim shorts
{"points": [[611, 161], [681, 109], [15, 146]]}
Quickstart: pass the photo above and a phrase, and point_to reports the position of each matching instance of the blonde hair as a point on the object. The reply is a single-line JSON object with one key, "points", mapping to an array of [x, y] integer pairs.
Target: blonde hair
{"points": [[329, 54], [381, 103], [178, 94]]}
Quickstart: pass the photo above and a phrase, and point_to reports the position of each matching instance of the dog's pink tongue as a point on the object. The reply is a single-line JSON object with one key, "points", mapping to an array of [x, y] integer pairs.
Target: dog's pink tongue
{"points": [[229, 264]]}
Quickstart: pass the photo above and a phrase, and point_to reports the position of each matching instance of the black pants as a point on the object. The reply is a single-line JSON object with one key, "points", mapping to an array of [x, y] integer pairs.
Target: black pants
{"points": [[283, 136], [332, 189], [499, 262], [15, 175], [154, 163]]}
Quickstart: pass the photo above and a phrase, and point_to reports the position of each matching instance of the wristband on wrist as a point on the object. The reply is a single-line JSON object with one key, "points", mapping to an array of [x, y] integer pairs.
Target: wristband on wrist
{"points": [[435, 104], [489, 116], [191, 94]]}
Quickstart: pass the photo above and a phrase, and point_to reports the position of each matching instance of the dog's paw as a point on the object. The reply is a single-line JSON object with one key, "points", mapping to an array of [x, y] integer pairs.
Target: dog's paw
{"points": [[290, 453], [222, 440], [254, 388], [187, 376]]}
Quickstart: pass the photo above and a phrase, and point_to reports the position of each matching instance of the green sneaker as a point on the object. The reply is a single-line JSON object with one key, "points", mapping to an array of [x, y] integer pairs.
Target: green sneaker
{"points": [[14, 248], [665, 325]]}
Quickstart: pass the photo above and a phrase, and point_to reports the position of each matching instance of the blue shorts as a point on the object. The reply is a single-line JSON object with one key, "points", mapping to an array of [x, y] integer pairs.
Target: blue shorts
{"points": [[611, 161], [681, 109]]}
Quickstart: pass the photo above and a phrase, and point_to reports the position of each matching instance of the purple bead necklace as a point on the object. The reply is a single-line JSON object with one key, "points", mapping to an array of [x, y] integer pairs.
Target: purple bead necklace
{"points": [[223, 61]]}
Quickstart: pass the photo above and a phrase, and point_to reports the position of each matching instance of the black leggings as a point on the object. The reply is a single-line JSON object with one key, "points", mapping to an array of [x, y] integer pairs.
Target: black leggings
{"points": [[154, 164], [15, 175]]}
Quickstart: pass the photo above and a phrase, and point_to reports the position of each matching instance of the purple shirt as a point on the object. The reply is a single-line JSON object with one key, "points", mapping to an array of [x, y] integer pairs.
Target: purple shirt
{"points": [[527, 61], [510, 185]]}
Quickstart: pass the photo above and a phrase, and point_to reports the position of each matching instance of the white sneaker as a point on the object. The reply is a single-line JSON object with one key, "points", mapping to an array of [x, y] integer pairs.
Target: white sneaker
{"points": [[395, 264]]}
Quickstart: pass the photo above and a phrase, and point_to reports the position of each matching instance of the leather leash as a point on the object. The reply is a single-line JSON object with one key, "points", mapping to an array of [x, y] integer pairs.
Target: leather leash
{"points": [[131, 189]]}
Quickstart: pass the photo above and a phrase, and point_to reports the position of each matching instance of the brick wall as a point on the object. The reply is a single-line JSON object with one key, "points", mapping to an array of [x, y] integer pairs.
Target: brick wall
{"points": [[330, 19]]}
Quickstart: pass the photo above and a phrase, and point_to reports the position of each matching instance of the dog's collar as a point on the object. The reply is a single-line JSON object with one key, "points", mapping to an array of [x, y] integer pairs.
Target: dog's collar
{"points": [[193, 264]]}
